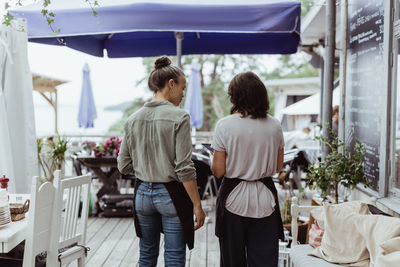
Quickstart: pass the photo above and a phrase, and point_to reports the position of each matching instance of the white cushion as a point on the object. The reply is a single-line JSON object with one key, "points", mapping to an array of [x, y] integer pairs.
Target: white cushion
{"points": [[342, 243], [378, 231], [352, 206], [390, 254], [300, 258]]}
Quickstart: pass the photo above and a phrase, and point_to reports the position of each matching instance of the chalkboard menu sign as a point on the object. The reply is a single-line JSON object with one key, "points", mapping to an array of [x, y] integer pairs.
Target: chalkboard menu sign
{"points": [[365, 80]]}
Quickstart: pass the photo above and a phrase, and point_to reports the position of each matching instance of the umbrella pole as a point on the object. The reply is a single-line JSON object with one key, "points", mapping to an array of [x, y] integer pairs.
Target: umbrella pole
{"points": [[179, 38]]}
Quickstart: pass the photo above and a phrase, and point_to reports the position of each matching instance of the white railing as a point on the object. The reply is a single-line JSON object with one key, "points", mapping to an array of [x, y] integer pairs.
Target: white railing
{"points": [[197, 137]]}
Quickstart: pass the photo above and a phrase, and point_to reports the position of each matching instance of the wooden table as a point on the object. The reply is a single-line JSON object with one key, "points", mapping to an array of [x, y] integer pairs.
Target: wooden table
{"points": [[107, 177], [15, 232]]}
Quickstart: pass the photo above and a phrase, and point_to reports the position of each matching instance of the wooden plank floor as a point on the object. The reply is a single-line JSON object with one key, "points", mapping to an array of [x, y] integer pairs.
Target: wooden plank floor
{"points": [[113, 243]]}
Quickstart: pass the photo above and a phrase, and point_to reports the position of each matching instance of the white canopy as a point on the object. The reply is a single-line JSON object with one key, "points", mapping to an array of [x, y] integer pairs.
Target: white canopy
{"points": [[310, 105]]}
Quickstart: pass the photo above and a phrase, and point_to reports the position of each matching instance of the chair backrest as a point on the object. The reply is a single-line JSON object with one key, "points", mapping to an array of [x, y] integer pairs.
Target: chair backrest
{"points": [[68, 228], [40, 220], [53, 223], [296, 209]]}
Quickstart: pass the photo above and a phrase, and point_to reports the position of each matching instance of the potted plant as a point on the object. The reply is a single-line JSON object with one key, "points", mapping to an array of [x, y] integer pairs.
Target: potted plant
{"points": [[340, 166], [287, 220], [51, 155], [111, 146]]}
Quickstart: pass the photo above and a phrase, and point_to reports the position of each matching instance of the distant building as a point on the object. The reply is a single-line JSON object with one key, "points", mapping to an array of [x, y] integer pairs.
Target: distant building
{"points": [[290, 91]]}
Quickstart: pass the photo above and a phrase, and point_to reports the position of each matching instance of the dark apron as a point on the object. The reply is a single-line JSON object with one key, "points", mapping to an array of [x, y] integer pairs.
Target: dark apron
{"points": [[227, 185]]}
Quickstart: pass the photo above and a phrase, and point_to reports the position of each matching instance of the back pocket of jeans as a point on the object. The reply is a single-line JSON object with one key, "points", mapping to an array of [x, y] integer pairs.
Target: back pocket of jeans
{"points": [[139, 203], [165, 206]]}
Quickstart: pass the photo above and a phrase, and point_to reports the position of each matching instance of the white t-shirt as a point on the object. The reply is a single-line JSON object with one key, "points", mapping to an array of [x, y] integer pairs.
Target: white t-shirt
{"points": [[251, 147]]}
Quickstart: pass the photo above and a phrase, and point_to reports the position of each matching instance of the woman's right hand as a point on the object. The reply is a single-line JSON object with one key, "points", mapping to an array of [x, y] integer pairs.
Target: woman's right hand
{"points": [[200, 217]]}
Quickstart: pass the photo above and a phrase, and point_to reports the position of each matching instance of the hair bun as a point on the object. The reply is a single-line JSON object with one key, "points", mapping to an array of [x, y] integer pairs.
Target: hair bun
{"points": [[162, 62]]}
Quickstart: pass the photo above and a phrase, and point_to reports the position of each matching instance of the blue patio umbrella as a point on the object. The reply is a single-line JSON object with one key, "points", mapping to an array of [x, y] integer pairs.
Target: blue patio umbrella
{"points": [[194, 101], [144, 28], [87, 108]]}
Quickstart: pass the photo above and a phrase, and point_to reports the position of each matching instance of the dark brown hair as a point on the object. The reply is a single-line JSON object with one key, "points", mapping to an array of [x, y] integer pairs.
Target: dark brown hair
{"points": [[163, 71], [248, 95]]}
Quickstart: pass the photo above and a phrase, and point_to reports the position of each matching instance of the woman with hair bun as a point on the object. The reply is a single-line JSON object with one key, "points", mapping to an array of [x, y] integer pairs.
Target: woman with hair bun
{"points": [[248, 150], [157, 147]]}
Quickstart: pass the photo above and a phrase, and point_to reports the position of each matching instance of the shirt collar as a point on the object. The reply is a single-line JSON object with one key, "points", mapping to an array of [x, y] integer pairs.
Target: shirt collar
{"points": [[157, 103]]}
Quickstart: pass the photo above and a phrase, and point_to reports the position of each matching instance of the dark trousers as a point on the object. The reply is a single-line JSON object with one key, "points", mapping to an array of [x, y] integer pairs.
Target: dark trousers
{"points": [[249, 241]]}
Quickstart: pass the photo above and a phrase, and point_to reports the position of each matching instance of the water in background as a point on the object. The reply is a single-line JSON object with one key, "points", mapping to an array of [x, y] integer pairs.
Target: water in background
{"points": [[68, 120]]}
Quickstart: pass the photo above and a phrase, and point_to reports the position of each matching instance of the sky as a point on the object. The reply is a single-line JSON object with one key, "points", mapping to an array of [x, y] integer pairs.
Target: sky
{"points": [[113, 80]]}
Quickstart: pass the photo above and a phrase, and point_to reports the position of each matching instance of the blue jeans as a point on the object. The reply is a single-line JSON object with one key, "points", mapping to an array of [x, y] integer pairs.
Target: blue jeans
{"points": [[154, 209]]}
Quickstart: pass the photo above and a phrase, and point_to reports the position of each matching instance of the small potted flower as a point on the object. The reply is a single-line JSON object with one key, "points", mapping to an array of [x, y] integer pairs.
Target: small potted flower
{"points": [[99, 151], [111, 146]]}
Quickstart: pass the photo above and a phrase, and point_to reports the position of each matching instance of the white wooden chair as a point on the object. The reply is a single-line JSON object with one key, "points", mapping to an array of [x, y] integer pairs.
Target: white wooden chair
{"points": [[63, 229], [40, 220]]}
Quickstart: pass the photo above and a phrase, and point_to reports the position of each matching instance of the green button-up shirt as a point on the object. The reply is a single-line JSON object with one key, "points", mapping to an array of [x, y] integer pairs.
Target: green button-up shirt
{"points": [[157, 145]]}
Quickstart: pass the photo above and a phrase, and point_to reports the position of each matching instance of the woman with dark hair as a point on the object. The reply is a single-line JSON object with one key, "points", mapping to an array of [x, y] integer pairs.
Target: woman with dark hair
{"points": [[248, 150], [157, 147]]}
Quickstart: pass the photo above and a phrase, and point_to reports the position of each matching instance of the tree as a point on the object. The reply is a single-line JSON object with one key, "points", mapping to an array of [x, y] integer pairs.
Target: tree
{"points": [[292, 66]]}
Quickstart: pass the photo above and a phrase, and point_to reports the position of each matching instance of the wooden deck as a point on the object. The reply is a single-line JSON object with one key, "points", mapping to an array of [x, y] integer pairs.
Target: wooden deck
{"points": [[113, 243]]}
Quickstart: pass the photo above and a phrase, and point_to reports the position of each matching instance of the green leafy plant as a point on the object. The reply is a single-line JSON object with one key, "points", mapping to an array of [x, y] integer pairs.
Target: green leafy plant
{"points": [[340, 166], [51, 155], [48, 16], [59, 148]]}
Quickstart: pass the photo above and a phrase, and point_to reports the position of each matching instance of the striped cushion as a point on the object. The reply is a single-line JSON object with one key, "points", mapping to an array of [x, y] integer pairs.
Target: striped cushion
{"points": [[299, 257], [315, 235]]}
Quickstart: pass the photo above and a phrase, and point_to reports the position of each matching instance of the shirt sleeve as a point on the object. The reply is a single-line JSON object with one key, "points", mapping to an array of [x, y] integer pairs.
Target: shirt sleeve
{"points": [[218, 139], [124, 158], [184, 167]]}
